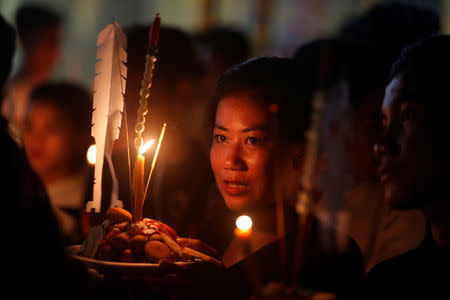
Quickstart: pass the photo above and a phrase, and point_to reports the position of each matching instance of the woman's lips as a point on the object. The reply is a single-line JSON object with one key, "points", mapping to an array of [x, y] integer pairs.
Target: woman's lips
{"points": [[235, 188]]}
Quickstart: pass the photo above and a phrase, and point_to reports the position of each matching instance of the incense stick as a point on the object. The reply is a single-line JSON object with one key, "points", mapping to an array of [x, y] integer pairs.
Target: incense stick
{"points": [[128, 152], [155, 157]]}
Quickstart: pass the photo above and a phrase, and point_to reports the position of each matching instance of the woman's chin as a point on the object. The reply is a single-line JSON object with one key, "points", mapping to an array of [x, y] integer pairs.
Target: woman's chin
{"points": [[237, 203]]}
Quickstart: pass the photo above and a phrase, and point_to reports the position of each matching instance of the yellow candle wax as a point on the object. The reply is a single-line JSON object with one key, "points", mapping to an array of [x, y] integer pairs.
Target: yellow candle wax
{"points": [[138, 186]]}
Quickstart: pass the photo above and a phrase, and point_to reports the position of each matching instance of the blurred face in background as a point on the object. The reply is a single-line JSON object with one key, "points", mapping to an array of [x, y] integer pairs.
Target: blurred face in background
{"points": [[48, 141], [365, 121], [242, 152], [44, 50], [410, 167]]}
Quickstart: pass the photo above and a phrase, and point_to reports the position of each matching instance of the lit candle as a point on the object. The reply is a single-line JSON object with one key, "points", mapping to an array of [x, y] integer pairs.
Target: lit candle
{"points": [[138, 180], [243, 227], [243, 232]]}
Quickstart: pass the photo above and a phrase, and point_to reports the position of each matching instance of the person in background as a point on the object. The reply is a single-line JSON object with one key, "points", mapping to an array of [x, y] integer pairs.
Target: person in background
{"points": [[362, 213], [222, 48], [388, 28], [413, 165], [39, 33], [37, 265], [56, 138]]}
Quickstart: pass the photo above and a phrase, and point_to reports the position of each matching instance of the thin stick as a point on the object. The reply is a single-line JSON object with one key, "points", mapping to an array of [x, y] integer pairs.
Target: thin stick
{"points": [[128, 152], [155, 156], [280, 215]]}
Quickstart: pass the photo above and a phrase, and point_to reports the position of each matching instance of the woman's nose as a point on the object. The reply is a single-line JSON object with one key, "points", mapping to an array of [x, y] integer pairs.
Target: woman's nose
{"points": [[234, 159]]}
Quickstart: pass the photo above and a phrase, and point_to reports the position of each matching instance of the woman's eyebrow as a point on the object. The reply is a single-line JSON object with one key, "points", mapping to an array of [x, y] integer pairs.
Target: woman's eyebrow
{"points": [[220, 127], [256, 128]]}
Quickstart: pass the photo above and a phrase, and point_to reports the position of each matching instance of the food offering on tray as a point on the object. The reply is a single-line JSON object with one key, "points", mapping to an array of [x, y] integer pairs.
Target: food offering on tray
{"points": [[120, 239]]}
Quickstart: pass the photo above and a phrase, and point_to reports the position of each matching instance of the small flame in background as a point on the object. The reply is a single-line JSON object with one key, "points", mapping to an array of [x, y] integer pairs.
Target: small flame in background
{"points": [[244, 222], [91, 154], [145, 147]]}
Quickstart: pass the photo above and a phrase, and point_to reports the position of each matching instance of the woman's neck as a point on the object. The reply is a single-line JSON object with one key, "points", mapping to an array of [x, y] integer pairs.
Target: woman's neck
{"points": [[264, 221]]}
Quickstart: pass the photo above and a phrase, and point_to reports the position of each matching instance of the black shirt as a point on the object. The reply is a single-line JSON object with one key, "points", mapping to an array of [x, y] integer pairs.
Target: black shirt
{"points": [[325, 266], [421, 273]]}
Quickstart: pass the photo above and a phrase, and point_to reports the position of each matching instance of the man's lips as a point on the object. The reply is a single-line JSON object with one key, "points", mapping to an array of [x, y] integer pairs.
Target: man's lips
{"points": [[387, 173], [386, 178]]}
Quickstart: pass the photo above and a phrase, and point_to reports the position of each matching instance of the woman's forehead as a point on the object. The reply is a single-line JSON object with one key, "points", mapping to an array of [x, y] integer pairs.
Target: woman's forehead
{"points": [[242, 109]]}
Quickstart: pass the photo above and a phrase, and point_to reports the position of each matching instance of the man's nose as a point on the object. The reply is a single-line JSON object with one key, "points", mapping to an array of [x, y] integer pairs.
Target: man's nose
{"points": [[387, 141], [234, 158]]}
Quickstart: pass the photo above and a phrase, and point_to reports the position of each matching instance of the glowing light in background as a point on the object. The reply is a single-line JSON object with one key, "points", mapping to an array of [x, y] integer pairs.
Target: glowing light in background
{"points": [[91, 154]]}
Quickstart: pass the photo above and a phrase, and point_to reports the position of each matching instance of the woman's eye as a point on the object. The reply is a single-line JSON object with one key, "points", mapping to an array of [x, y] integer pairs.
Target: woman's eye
{"points": [[218, 138], [253, 140]]}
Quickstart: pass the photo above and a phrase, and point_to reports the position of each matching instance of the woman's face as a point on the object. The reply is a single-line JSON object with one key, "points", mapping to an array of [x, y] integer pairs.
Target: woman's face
{"points": [[242, 152]]}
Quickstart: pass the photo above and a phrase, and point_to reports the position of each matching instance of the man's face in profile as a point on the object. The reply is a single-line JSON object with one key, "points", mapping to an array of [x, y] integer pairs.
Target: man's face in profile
{"points": [[408, 166]]}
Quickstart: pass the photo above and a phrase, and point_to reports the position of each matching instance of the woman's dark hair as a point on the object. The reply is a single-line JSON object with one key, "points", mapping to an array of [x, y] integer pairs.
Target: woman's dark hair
{"points": [[277, 83]]}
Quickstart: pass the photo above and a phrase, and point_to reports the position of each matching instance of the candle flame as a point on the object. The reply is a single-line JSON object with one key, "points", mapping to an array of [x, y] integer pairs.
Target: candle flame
{"points": [[244, 222], [145, 147], [91, 154]]}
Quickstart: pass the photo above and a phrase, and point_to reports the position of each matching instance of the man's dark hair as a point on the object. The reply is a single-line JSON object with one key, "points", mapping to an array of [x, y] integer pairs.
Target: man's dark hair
{"points": [[276, 82], [6, 51], [426, 61], [30, 18], [424, 68]]}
